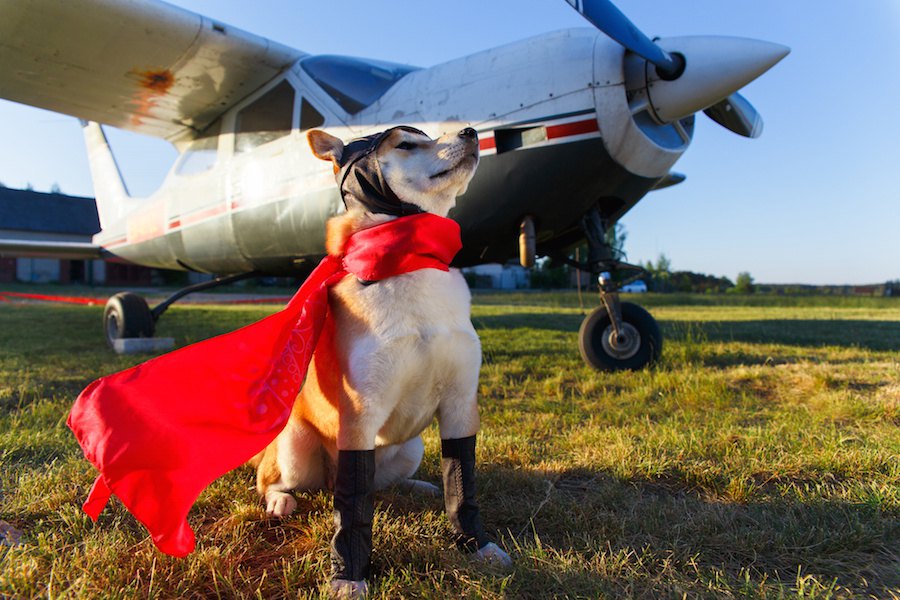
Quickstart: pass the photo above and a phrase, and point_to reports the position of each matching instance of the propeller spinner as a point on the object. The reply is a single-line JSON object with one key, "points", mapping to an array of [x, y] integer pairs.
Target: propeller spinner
{"points": [[692, 73]]}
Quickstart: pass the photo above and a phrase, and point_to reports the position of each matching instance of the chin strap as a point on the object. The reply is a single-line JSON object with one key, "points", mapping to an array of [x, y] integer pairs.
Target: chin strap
{"points": [[354, 507], [458, 470]]}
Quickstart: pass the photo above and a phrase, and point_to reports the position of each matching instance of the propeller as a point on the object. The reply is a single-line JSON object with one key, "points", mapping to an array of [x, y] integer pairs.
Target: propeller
{"points": [[720, 66], [607, 18], [737, 114]]}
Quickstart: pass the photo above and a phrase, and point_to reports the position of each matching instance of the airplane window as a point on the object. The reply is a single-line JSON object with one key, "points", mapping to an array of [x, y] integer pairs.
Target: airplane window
{"points": [[354, 83], [267, 119], [309, 116], [200, 155]]}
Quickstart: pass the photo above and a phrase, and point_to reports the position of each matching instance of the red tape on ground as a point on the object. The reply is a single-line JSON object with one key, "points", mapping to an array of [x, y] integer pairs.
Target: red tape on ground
{"points": [[6, 296]]}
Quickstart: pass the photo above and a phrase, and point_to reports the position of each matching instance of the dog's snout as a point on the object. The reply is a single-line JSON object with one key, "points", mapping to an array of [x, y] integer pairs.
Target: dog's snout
{"points": [[468, 133]]}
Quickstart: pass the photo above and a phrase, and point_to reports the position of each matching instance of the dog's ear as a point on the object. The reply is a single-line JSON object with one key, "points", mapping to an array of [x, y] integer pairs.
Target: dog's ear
{"points": [[326, 147]]}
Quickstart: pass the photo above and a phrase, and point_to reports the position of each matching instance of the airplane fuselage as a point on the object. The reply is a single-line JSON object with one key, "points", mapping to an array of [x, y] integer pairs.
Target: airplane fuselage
{"points": [[557, 136]]}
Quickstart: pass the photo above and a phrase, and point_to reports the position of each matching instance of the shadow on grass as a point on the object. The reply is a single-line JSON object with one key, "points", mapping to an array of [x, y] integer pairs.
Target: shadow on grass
{"points": [[581, 533], [665, 534], [864, 334], [542, 320]]}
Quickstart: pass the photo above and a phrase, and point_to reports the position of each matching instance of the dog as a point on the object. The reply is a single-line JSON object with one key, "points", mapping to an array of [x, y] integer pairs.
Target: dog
{"points": [[404, 351]]}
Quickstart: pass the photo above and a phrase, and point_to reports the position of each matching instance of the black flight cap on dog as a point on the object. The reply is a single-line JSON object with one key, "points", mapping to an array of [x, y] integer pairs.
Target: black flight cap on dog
{"points": [[361, 181]]}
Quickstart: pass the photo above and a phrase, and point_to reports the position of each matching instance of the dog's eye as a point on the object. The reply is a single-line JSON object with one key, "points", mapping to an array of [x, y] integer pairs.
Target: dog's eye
{"points": [[406, 146]]}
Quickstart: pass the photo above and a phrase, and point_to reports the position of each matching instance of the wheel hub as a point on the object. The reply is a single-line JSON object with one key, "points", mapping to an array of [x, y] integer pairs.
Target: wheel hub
{"points": [[623, 346], [112, 328]]}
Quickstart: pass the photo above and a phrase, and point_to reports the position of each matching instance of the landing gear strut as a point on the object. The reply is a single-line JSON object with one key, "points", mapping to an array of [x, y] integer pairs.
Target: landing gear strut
{"points": [[632, 341], [127, 315], [617, 335]]}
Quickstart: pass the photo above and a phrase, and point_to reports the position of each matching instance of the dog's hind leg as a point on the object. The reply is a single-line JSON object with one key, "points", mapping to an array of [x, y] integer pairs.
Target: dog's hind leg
{"points": [[397, 462], [295, 460], [395, 465]]}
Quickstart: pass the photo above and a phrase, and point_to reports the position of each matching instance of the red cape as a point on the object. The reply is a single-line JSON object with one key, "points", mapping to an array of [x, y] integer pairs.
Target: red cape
{"points": [[162, 431]]}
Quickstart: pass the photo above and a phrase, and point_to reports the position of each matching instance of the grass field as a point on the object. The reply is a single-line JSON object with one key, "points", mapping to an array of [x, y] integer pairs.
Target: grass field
{"points": [[758, 460]]}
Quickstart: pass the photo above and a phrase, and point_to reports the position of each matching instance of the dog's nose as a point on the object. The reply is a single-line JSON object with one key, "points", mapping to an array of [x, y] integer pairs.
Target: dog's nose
{"points": [[468, 133]]}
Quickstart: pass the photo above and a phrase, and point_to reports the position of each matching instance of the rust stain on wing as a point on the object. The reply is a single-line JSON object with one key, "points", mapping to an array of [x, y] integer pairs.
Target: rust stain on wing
{"points": [[158, 82], [152, 84]]}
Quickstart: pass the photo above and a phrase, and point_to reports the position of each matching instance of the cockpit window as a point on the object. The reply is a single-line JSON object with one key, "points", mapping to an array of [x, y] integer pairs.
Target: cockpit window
{"points": [[309, 116], [354, 83], [266, 119]]}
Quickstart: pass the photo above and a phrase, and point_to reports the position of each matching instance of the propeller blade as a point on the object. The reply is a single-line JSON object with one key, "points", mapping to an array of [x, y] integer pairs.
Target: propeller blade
{"points": [[610, 20], [736, 114], [670, 179]]}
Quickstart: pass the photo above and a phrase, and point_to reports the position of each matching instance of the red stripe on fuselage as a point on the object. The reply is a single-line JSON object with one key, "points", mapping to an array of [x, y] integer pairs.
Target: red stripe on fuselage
{"points": [[569, 129], [554, 132], [196, 217]]}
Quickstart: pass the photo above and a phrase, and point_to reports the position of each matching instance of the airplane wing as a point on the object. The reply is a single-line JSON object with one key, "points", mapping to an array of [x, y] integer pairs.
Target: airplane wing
{"points": [[140, 65]]}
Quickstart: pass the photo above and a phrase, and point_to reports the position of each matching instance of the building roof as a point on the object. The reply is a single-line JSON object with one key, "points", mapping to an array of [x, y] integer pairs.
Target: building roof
{"points": [[24, 210]]}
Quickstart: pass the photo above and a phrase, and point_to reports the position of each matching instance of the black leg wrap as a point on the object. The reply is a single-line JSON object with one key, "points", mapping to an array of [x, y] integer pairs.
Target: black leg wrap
{"points": [[458, 469], [354, 507]]}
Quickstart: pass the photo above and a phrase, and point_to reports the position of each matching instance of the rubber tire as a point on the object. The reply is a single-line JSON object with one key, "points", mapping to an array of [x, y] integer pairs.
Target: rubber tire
{"points": [[127, 316], [595, 324]]}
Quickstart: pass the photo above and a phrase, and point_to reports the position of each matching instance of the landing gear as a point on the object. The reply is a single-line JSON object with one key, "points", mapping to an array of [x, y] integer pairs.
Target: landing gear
{"points": [[617, 335], [636, 344], [127, 315]]}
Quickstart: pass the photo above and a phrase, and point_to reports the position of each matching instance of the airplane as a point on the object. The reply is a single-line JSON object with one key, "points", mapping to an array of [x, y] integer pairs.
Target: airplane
{"points": [[575, 127]]}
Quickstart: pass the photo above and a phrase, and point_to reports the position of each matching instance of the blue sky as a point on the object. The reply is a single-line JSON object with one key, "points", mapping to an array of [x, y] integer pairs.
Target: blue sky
{"points": [[814, 200]]}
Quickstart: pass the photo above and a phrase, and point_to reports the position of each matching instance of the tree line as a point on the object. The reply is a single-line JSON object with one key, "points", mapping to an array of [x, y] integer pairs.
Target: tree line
{"points": [[661, 278]]}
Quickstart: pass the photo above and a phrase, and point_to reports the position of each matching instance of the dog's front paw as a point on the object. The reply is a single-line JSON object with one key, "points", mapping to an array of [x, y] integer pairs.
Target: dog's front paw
{"points": [[344, 589], [280, 504], [492, 555]]}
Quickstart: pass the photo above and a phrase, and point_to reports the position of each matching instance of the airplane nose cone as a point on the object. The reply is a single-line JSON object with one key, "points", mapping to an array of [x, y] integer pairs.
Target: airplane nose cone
{"points": [[468, 133], [715, 67]]}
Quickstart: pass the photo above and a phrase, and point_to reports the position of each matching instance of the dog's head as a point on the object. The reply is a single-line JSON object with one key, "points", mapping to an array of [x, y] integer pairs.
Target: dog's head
{"points": [[400, 171]]}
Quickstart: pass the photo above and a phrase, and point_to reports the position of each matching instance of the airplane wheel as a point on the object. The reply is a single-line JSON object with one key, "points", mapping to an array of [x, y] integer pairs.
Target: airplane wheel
{"points": [[639, 346], [127, 316]]}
